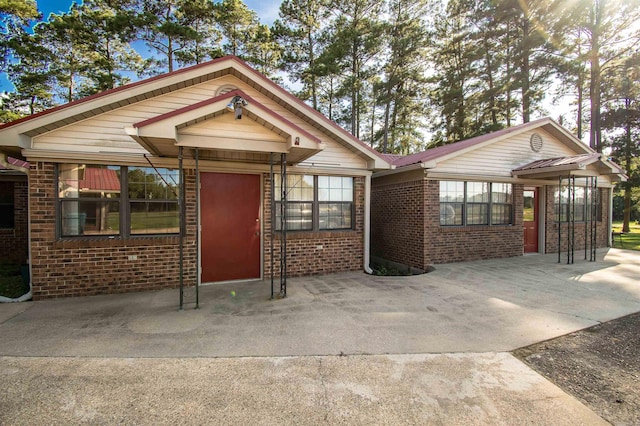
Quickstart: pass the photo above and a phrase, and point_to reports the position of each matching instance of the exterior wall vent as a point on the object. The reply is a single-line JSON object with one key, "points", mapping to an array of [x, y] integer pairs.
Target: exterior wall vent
{"points": [[225, 89], [536, 142]]}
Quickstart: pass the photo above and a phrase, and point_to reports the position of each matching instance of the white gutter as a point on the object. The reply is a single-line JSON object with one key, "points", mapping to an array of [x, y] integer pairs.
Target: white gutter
{"points": [[367, 224]]}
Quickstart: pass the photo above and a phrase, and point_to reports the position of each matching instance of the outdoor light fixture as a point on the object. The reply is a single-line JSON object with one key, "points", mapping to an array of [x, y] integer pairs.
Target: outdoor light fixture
{"points": [[236, 105]]}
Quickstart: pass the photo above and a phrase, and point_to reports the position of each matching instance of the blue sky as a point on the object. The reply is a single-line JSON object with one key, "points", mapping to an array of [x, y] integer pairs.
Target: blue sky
{"points": [[267, 11]]}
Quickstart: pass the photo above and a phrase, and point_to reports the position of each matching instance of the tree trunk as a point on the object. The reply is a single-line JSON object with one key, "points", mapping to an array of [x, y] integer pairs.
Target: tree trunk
{"points": [[594, 89], [627, 159], [526, 91]]}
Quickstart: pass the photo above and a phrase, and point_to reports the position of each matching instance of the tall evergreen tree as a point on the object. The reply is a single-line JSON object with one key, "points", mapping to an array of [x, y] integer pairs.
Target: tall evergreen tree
{"points": [[165, 29], [299, 31], [356, 32], [238, 24], [402, 90]]}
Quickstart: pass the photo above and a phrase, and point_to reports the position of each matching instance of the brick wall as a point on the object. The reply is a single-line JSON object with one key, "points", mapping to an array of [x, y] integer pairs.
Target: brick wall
{"points": [[551, 227], [75, 267], [405, 228], [14, 242], [397, 222], [314, 253], [446, 244]]}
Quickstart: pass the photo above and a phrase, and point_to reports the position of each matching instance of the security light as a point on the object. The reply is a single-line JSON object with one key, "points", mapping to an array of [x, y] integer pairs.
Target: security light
{"points": [[236, 105]]}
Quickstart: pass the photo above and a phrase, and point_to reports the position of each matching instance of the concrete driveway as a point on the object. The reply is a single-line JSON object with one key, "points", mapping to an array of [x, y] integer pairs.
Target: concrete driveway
{"points": [[339, 349]]}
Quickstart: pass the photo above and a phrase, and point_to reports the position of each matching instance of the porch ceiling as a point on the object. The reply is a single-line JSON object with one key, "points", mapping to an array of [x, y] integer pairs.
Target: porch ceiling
{"points": [[218, 135]]}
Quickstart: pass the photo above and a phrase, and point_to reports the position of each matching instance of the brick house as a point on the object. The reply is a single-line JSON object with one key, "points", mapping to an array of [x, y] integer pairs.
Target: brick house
{"points": [[170, 179], [494, 196]]}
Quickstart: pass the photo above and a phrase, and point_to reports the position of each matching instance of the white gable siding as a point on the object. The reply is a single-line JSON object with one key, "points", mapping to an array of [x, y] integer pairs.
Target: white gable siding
{"points": [[500, 158], [227, 126], [105, 132]]}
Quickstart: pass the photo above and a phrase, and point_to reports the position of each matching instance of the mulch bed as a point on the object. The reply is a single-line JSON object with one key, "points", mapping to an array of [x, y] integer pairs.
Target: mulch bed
{"points": [[600, 366]]}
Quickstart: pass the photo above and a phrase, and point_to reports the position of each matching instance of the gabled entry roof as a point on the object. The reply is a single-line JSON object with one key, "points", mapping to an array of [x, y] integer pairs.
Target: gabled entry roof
{"points": [[163, 134]]}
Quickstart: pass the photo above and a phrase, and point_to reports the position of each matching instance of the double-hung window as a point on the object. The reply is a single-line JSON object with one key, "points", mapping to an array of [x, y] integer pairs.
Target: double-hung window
{"points": [[98, 200], [316, 203], [475, 203]]}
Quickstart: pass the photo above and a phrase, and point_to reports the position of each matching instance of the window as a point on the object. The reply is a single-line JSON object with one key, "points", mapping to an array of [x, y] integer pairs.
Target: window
{"points": [[7, 208], [153, 200], [451, 202], [582, 204], [89, 199], [475, 203], [335, 202], [501, 204], [316, 202], [93, 202]]}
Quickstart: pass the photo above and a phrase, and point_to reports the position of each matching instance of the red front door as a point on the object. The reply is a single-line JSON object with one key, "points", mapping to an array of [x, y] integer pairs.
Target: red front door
{"points": [[230, 217], [530, 220]]}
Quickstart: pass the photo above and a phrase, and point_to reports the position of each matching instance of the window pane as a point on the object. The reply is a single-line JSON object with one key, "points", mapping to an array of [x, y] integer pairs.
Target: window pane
{"points": [[335, 215], [450, 213], [451, 191], [501, 214], [501, 193], [147, 183], [477, 192], [299, 216], [335, 188], [477, 214], [158, 217], [299, 188], [88, 181], [529, 209], [90, 217]]}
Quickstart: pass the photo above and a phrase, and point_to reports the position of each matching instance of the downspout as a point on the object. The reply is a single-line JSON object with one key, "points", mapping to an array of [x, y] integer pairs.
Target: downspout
{"points": [[367, 223]]}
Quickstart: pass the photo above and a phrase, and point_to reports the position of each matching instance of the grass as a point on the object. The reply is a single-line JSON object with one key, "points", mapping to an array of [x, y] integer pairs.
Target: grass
{"points": [[11, 283], [629, 241]]}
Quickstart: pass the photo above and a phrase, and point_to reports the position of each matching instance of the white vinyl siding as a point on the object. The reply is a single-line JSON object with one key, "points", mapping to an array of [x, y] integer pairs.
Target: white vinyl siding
{"points": [[500, 158], [105, 133]]}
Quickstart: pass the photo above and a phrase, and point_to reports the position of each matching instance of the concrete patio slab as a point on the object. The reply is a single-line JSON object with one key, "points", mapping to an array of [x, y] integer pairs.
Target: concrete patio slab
{"points": [[485, 306]]}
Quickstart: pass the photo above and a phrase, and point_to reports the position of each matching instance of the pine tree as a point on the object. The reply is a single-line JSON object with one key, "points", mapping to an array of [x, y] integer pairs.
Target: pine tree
{"points": [[238, 24], [402, 90], [299, 31]]}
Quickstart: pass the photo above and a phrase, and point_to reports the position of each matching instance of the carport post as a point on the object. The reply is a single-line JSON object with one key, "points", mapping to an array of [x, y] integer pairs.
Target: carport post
{"points": [[198, 226], [272, 203], [181, 220]]}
